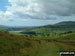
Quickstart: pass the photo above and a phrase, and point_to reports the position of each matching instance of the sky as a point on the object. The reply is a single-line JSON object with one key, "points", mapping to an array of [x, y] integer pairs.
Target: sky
{"points": [[36, 12]]}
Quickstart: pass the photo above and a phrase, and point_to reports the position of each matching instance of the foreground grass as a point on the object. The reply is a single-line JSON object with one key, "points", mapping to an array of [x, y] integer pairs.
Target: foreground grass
{"points": [[48, 49], [53, 48], [14, 45], [66, 45]]}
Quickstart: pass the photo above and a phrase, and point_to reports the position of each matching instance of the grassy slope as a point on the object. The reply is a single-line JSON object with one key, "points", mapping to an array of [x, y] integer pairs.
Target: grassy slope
{"points": [[13, 45], [53, 31], [48, 49], [70, 36], [53, 48]]}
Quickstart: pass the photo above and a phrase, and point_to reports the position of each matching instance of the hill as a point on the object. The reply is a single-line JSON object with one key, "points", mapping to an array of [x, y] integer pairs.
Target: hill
{"points": [[13, 45], [69, 25], [7, 28], [52, 31], [47, 31], [3, 28], [69, 36]]}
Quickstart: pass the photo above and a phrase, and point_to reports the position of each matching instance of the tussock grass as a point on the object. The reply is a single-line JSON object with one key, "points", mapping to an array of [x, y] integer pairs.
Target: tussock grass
{"points": [[13, 45]]}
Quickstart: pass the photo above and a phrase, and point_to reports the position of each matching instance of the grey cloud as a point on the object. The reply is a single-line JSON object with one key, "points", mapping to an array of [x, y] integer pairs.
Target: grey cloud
{"points": [[59, 7], [47, 8]]}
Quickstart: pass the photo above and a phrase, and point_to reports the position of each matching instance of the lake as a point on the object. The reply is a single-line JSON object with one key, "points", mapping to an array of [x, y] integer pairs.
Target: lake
{"points": [[15, 31]]}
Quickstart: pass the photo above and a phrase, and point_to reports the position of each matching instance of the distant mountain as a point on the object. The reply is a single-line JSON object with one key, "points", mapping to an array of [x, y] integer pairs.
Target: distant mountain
{"points": [[54, 31], [3, 28], [57, 29], [7, 28], [66, 25]]}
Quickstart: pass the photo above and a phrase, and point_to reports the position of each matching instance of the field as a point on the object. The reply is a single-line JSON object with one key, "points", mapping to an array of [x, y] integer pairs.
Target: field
{"points": [[16, 45]]}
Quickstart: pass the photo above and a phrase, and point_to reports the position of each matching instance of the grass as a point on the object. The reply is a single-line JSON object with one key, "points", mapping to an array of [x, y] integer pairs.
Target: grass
{"points": [[48, 49], [12, 45], [66, 45], [53, 48], [16, 45], [70, 36]]}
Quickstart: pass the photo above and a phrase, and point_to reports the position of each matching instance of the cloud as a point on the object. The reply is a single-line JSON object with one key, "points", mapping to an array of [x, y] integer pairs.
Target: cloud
{"points": [[5, 16], [39, 9], [42, 9]]}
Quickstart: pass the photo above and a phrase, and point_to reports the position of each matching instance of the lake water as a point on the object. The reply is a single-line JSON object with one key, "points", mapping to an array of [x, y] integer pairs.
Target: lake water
{"points": [[15, 31]]}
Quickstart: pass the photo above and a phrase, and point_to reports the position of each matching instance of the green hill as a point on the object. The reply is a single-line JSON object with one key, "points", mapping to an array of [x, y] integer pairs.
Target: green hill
{"points": [[69, 36], [13, 45], [66, 25], [52, 31], [3, 28], [47, 31]]}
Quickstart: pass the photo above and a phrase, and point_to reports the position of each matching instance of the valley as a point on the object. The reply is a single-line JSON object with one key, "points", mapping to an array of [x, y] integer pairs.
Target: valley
{"points": [[46, 40]]}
